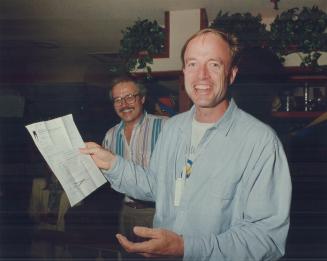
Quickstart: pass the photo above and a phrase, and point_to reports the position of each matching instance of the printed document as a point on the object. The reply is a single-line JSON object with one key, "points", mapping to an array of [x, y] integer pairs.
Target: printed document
{"points": [[59, 141]]}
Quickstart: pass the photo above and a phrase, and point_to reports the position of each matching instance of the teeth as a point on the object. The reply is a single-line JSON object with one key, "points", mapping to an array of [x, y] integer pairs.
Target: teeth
{"points": [[202, 87], [127, 110]]}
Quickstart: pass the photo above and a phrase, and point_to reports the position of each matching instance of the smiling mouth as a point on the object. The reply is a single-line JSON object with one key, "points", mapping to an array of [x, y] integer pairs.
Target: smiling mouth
{"points": [[202, 89], [125, 110]]}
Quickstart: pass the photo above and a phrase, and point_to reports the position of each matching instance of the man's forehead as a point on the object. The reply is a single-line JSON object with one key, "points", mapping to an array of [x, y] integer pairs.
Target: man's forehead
{"points": [[125, 86], [206, 39], [212, 43]]}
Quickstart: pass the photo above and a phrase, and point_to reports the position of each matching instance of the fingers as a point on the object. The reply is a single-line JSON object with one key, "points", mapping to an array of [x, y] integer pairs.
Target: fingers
{"points": [[90, 151], [90, 145], [131, 247], [103, 158], [126, 244], [149, 255], [90, 148], [122, 239], [145, 232], [160, 242]]}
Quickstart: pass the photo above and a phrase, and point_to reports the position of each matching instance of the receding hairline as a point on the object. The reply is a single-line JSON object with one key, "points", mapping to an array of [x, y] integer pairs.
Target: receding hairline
{"points": [[229, 39]]}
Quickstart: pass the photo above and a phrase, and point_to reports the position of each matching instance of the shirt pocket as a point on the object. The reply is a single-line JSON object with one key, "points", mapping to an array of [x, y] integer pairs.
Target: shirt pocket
{"points": [[219, 211], [225, 190]]}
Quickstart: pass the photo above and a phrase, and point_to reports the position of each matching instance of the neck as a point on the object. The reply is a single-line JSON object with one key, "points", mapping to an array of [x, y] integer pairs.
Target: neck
{"points": [[128, 128], [132, 123], [211, 115]]}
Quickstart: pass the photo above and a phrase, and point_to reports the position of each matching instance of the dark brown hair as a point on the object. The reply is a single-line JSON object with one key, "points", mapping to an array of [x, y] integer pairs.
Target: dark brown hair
{"points": [[126, 78]]}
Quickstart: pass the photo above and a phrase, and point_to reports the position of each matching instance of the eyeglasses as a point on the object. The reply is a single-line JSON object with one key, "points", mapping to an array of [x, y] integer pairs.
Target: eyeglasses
{"points": [[129, 99]]}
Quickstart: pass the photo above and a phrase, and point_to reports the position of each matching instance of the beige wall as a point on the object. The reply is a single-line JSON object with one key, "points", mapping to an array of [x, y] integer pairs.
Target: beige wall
{"points": [[183, 24]]}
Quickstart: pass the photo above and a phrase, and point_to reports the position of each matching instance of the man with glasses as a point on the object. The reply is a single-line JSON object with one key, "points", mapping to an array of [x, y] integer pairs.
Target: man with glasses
{"points": [[134, 139]]}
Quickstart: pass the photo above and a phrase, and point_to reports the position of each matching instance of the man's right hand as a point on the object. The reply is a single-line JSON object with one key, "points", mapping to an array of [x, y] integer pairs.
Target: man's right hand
{"points": [[104, 159]]}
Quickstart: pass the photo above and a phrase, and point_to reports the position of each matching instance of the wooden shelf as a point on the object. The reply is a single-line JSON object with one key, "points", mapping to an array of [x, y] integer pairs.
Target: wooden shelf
{"points": [[297, 114], [308, 78], [302, 75]]}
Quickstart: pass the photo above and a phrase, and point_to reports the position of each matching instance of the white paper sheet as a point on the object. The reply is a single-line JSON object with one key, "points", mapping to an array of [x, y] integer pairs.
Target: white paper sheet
{"points": [[59, 141]]}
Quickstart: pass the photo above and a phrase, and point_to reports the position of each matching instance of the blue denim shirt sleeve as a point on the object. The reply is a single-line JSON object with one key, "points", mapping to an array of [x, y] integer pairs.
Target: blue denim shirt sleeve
{"points": [[138, 185]]}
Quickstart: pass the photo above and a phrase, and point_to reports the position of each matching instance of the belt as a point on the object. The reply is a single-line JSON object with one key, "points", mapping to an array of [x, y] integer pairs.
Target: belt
{"points": [[140, 204]]}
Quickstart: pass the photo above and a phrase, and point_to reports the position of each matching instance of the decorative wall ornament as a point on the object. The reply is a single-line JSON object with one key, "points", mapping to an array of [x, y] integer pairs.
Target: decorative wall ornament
{"points": [[140, 43]]}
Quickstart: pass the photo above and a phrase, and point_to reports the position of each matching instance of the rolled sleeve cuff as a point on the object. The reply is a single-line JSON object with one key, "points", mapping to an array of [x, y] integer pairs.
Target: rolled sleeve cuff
{"points": [[112, 175]]}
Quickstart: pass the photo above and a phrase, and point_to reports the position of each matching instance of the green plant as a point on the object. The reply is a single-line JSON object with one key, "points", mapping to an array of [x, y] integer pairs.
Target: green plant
{"points": [[298, 30], [140, 43], [249, 29]]}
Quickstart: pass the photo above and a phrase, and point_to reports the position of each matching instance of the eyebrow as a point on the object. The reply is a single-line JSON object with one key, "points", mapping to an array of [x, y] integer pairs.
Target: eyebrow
{"points": [[121, 97], [219, 60]]}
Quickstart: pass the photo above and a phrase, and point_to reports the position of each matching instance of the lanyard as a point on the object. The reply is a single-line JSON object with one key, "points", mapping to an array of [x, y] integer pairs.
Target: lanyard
{"points": [[180, 181], [186, 172], [187, 169]]}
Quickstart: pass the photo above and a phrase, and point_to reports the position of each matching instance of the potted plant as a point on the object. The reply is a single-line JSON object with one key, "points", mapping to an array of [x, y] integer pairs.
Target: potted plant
{"points": [[249, 29], [140, 43], [301, 31]]}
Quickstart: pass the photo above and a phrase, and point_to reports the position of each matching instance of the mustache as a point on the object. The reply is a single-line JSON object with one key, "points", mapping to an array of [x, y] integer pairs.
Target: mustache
{"points": [[126, 108]]}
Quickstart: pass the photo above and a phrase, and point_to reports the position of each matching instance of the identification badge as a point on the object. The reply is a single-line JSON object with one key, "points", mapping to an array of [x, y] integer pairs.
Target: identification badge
{"points": [[179, 186]]}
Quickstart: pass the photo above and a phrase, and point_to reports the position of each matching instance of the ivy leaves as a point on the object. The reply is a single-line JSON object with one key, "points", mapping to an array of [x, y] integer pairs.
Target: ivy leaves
{"points": [[298, 30], [140, 43]]}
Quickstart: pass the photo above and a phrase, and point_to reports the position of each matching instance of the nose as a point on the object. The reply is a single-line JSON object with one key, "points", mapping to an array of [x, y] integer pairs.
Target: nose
{"points": [[123, 101], [203, 72]]}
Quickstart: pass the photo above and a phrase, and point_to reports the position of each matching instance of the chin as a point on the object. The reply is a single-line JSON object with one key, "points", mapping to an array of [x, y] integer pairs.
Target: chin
{"points": [[202, 102], [124, 118], [127, 119], [207, 104], [201, 105]]}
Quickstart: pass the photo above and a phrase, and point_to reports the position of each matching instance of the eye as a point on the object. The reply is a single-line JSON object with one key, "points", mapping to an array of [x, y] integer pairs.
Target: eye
{"points": [[215, 65], [129, 97], [191, 64], [117, 100]]}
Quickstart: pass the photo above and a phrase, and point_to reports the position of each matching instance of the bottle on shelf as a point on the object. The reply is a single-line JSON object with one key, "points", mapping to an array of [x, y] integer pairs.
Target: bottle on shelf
{"points": [[306, 96], [319, 101], [287, 101]]}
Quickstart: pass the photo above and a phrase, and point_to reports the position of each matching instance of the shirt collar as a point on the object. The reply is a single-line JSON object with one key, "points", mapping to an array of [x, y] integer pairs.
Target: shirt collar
{"points": [[223, 125]]}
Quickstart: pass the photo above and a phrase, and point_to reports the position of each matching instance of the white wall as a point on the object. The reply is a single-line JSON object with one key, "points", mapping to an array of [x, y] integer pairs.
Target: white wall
{"points": [[183, 23]]}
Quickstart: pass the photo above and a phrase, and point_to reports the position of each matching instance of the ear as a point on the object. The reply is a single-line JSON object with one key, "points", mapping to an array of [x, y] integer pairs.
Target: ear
{"points": [[232, 75], [143, 100]]}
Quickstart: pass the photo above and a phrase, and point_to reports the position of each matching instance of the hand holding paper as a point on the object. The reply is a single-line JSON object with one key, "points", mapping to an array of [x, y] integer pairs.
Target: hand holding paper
{"points": [[59, 141], [104, 159]]}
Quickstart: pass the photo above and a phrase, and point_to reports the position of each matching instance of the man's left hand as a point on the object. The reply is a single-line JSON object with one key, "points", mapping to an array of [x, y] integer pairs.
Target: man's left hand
{"points": [[159, 243]]}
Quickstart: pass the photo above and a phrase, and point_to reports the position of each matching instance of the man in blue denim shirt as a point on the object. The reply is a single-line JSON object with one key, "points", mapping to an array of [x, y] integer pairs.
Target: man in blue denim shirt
{"points": [[219, 177]]}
